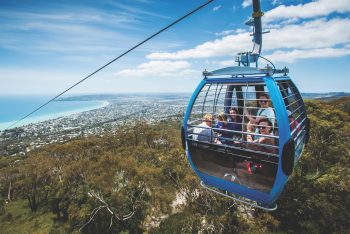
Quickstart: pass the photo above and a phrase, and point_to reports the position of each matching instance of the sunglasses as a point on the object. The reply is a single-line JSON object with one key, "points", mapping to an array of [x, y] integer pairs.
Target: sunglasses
{"points": [[262, 127], [263, 101]]}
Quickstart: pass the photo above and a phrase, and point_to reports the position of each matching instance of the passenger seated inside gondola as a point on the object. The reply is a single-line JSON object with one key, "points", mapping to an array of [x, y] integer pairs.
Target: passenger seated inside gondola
{"points": [[260, 143], [204, 132], [222, 128], [265, 111], [249, 125], [234, 122], [292, 122]]}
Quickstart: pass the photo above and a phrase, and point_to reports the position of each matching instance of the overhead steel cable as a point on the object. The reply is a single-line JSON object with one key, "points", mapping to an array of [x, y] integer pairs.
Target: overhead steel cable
{"points": [[112, 61]]}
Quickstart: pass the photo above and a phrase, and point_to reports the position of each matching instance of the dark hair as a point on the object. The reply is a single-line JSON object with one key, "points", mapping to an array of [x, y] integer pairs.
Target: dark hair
{"points": [[265, 120], [264, 95], [234, 108]]}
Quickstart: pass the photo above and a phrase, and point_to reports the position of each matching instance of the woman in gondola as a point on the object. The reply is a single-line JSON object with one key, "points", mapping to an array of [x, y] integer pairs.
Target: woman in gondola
{"points": [[261, 143], [265, 111]]}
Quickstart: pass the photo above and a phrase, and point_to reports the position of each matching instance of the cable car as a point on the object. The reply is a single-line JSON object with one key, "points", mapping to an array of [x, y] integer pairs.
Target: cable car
{"points": [[245, 128]]}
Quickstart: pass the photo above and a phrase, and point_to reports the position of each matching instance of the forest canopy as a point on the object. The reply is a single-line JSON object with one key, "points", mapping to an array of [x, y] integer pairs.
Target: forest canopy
{"points": [[138, 180]]}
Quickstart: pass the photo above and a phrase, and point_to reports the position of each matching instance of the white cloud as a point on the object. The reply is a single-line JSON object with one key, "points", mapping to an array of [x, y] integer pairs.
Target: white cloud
{"points": [[246, 3], [224, 33], [276, 2], [309, 35], [135, 11], [308, 10], [228, 32], [227, 45], [217, 8], [292, 56], [313, 34], [145, 1], [225, 63], [241, 30], [62, 32], [157, 68], [67, 29]]}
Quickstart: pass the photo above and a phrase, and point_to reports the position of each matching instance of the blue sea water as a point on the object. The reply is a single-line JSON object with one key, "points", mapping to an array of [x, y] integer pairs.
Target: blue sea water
{"points": [[13, 108]]}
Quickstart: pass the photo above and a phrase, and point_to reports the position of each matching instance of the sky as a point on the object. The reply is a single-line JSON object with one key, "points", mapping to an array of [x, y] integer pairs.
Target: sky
{"points": [[47, 46]]}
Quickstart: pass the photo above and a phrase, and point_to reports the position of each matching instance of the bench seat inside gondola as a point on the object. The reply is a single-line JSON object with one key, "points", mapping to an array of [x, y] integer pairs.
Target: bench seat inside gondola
{"points": [[234, 164]]}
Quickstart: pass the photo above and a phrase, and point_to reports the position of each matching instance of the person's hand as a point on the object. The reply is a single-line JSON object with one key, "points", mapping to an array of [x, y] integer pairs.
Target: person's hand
{"points": [[249, 138], [250, 127], [248, 115]]}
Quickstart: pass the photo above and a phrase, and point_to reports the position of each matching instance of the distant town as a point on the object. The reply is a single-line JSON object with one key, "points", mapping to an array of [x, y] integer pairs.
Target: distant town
{"points": [[122, 110]]}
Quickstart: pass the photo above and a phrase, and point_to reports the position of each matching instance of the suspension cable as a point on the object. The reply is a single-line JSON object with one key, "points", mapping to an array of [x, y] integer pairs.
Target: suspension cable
{"points": [[273, 65], [112, 61]]}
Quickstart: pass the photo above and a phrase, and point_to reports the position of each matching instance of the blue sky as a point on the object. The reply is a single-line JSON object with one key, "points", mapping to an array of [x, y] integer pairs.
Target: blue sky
{"points": [[46, 46]]}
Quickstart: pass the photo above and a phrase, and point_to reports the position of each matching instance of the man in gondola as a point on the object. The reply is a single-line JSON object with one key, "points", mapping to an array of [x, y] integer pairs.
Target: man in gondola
{"points": [[204, 132]]}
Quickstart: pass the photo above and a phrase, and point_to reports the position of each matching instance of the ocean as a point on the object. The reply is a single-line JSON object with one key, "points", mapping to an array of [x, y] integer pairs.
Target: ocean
{"points": [[13, 108]]}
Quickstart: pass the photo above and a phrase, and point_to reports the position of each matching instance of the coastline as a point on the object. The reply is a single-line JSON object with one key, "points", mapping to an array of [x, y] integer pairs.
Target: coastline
{"points": [[42, 118]]}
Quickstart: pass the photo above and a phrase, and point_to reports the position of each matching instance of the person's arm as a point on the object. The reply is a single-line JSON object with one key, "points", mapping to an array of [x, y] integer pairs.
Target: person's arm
{"points": [[262, 140], [257, 120], [249, 116], [252, 146], [266, 141], [250, 126], [262, 114]]}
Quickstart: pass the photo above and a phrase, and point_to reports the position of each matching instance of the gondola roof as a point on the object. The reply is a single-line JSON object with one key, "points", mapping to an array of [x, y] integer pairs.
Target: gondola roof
{"points": [[245, 71]]}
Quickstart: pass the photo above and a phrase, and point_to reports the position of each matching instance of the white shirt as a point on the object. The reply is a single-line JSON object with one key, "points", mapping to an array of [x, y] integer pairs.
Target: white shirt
{"points": [[268, 113], [202, 133]]}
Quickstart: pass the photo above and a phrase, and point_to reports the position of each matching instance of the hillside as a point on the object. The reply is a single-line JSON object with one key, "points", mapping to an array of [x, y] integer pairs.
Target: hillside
{"points": [[131, 180], [325, 96]]}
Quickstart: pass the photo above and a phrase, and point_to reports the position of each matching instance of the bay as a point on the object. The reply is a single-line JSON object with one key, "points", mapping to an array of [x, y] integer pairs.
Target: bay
{"points": [[13, 108]]}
